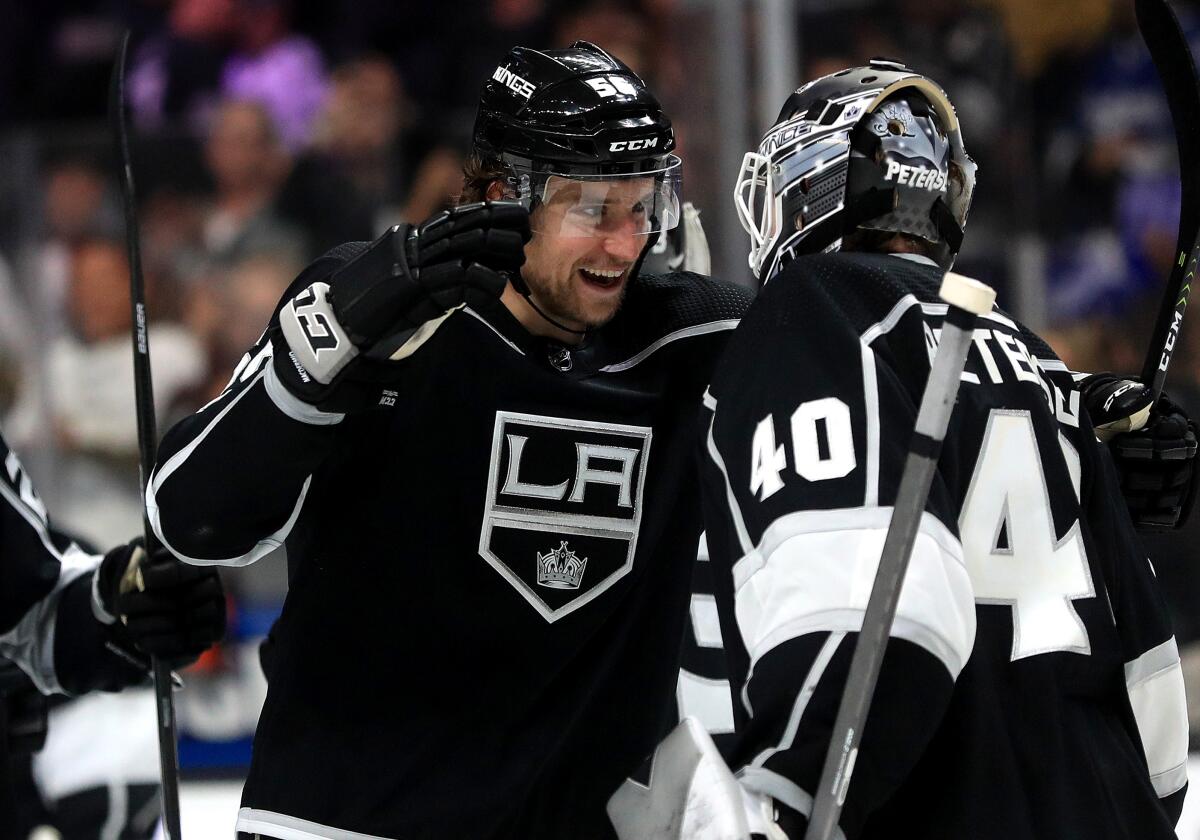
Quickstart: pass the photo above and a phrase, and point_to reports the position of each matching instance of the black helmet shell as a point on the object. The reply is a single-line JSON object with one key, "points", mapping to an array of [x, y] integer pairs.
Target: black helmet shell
{"points": [[573, 111], [825, 169]]}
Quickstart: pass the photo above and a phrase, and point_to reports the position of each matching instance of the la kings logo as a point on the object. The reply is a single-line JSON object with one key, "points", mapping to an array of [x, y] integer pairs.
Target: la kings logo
{"points": [[563, 508]]}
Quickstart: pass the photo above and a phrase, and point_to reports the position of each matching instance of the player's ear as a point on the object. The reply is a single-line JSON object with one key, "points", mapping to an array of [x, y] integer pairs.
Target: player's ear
{"points": [[495, 190]]}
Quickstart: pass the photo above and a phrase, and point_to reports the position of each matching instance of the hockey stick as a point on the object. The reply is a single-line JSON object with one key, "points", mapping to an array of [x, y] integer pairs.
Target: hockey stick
{"points": [[968, 299], [1176, 68], [168, 756]]}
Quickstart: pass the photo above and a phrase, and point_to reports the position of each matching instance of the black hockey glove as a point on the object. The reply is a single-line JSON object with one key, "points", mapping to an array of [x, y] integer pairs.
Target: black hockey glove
{"points": [[1154, 450], [164, 607], [375, 307]]}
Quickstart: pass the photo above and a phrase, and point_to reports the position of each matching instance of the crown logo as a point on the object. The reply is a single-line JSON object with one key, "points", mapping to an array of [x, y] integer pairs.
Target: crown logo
{"points": [[560, 568]]}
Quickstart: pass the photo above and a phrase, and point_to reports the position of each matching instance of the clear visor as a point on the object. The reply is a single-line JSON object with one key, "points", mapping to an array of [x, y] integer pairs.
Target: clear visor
{"points": [[641, 204]]}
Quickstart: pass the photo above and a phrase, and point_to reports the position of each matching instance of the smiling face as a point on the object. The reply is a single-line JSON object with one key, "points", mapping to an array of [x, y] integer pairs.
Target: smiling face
{"points": [[587, 237]]}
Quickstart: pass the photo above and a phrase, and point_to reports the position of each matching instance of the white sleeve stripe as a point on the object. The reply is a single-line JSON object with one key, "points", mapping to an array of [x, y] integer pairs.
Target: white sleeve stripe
{"points": [[264, 547], [849, 620], [889, 321], [1170, 781], [284, 827], [1154, 661], [246, 368], [820, 663], [906, 303], [735, 512], [35, 522], [31, 642], [294, 407], [686, 332], [261, 549], [499, 334], [175, 461], [815, 579], [781, 789], [871, 404], [708, 700], [828, 521], [706, 621], [1156, 693]]}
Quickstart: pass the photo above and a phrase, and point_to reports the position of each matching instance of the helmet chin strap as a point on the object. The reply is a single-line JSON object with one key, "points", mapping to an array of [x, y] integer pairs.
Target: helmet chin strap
{"points": [[518, 283], [560, 325]]}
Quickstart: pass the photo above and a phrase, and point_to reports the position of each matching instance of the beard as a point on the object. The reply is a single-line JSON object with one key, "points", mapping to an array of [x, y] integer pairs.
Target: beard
{"points": [[563, 302]]}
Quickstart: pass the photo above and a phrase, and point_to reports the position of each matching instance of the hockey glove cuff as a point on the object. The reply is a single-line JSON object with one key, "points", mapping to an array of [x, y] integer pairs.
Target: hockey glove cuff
{"points": [[1115, 403], [164, 607]]}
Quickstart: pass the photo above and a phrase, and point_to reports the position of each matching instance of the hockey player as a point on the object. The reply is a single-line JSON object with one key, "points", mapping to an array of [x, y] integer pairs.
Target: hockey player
{"points": [[475, 440], [1031, 686], [76, 622]]}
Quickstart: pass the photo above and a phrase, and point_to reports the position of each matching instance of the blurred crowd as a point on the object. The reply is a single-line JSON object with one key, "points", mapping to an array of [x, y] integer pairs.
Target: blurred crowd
{"points": [[267, 131]]}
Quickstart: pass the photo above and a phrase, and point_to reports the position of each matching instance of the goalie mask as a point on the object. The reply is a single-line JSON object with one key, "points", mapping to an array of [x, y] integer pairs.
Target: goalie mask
{"points": [[876, 148], [577, 130]]}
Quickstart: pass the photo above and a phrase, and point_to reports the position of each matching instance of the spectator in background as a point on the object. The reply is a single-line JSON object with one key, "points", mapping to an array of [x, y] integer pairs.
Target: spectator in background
{"points": [[621, 27], [359, 131], [175, 75], [1112, 167], [965, 45], [280, 69], [249, 167], [228, 308], [17, 347], [77, 200], [442, 84], [89, 386], [367, 134]]}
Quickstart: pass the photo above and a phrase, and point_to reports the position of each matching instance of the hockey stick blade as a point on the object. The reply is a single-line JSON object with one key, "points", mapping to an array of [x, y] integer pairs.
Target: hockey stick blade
{"points": [[1177, 70], [968, 299], [168, 750]]}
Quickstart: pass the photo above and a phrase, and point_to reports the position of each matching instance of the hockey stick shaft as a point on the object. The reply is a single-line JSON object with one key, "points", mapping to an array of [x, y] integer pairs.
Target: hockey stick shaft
{"points": [[1177, 70], [967, 299], [168, 755]]}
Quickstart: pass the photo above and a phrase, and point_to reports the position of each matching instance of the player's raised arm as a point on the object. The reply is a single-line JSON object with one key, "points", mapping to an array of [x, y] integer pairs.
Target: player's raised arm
{"points": [[232, 479]]}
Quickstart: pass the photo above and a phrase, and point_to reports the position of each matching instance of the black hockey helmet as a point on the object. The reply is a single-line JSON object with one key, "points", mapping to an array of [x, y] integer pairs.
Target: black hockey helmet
{"points": [[578, 115], [875, 147]]}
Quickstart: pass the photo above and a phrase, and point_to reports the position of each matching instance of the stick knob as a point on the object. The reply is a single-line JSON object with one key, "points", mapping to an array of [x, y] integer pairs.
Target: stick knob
{"points": [[966, 293]]}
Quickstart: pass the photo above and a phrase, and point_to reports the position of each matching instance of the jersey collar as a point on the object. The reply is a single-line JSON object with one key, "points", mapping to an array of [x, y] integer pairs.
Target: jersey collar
{"points": [[917, 258]]}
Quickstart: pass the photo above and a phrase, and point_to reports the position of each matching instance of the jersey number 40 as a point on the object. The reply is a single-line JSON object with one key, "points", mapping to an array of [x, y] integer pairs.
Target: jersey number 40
{"points": [[1007, 525]]}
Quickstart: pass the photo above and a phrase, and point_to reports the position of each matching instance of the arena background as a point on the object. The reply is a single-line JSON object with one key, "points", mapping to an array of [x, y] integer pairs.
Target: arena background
{"points": [[267, 131]]}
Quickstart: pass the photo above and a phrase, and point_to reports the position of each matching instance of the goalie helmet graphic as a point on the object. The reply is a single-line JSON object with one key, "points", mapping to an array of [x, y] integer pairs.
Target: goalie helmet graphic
{"points": [[874, 148]]}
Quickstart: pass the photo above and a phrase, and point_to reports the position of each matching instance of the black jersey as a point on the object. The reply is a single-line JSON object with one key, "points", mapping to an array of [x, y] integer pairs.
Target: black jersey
{"points": [[489, 576], [47, 624], [1031, 687]]}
